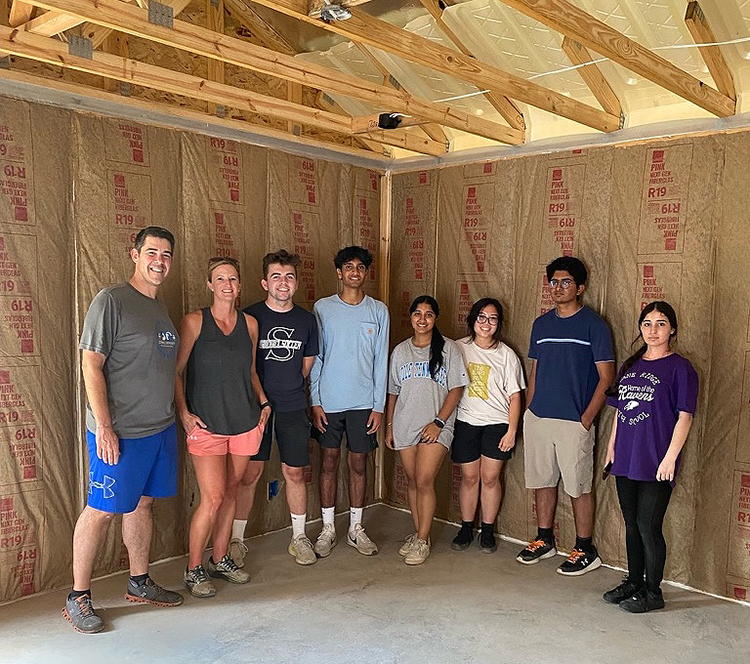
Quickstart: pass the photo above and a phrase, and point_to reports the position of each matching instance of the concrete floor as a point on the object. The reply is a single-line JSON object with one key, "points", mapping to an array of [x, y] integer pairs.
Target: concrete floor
{"points": [[457, 607]]}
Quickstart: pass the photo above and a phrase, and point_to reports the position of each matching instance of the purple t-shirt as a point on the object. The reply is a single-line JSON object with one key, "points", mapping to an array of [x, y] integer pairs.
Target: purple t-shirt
{"points": [[649, 398]]}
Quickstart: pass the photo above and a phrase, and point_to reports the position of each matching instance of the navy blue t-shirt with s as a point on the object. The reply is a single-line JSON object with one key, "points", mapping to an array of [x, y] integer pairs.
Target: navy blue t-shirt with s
{"points": [[284, 339], [566, 351]]}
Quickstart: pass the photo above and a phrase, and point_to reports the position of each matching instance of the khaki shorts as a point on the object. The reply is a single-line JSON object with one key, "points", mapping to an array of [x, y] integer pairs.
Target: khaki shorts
{"points": [[555, 448]]}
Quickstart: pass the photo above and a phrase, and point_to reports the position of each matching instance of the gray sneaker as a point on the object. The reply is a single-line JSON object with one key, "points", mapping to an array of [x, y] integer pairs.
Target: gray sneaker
{"points": [[360, 541], [152, 593], [326, 541], [419, 552], [227, 570], [197, 582], [80, 613], [237, 552], [302, 550], [407, 545]]}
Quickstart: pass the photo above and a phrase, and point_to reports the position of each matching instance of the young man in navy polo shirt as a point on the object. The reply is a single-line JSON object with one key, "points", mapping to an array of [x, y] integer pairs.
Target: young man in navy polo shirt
{"points": [[572, 366]]}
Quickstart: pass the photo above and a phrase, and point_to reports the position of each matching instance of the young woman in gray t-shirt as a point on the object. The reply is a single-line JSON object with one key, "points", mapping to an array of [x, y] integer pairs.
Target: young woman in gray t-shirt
{"points": [[426, 379]]}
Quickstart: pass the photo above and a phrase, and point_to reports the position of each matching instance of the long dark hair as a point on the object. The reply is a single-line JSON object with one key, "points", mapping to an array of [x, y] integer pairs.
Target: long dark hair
{"points": [[476, 309], [663, 308], [437, 343]]}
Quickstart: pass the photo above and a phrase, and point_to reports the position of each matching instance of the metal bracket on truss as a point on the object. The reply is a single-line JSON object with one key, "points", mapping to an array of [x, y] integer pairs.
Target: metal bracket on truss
{"points": [[124, 88], [214, 3], [81, 47], [328, 99], [296, 130], [221, 111], [394, 82], [5, 62], [622, 120], [160, 14]]}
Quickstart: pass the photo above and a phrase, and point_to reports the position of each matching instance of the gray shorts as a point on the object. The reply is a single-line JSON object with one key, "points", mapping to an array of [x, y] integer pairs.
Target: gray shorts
{"points": [[558, 448]]}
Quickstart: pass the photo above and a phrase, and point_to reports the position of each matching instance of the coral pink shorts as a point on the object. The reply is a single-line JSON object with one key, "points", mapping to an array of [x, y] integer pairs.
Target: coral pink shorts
{"points": [[204, 443]]}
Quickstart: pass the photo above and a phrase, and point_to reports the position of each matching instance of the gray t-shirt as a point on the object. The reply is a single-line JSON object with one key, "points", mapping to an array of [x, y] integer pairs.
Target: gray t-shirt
{"points": [[140, 343], [420, 396]]}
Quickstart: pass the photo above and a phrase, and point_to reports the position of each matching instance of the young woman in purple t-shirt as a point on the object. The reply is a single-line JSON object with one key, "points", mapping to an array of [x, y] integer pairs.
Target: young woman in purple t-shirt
{"points": [[655, 395]]}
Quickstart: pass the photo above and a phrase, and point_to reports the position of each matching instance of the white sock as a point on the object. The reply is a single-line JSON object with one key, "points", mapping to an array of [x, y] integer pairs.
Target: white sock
{"points": [[238, 529], [329, 514], [298, 524], [355, 517]]}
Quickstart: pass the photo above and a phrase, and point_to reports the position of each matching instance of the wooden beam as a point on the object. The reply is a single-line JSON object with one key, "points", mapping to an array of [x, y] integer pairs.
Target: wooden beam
{"points": [[149, 108], [578, 54], [52, 51], [294, 94], [117, 44], [20, 12], [261, 29], [702, 33], [195, 39], [98, 33], [499, 102], [51, 23], [380, 34], [215, 22], [575, 23]]}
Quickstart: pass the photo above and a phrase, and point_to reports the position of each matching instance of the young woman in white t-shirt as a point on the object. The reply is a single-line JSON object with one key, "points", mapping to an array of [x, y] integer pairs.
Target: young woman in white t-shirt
{"points": [[486, 421]]}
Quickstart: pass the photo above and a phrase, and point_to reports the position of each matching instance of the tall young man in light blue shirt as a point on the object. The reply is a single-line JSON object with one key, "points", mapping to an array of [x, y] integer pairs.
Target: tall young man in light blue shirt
{"points": [[348, 391]]}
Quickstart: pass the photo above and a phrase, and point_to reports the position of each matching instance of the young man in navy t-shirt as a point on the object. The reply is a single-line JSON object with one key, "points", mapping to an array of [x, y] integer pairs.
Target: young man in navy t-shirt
{"points": [[287, 346], [572, 366]]}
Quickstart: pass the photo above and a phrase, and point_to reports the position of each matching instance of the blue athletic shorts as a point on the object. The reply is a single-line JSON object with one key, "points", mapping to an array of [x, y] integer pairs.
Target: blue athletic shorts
{"points": [[147, 467]]}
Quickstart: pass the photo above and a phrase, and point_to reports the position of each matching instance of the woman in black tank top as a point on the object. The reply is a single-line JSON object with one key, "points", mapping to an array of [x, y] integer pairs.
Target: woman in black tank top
{"points": [[223, 411]]}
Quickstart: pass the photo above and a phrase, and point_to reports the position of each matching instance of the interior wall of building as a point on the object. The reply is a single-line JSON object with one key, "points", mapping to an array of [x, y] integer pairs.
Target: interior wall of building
{"points": [[75, 188], [659, 220]]}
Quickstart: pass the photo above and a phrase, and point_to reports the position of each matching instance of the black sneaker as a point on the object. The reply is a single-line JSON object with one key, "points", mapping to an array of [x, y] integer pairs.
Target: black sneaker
{"points": [[149, 592], [80, 613], [487, 541], [642, 601], [536, 551], [626, 589], [579, 562], [463, 540]]}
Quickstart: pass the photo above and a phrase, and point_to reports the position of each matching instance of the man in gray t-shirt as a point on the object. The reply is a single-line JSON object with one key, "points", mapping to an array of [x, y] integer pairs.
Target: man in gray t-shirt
{"points": [[129, 349]]}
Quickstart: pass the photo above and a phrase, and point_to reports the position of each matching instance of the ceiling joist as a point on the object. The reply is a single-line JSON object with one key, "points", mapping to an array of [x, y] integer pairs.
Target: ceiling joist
{"points": [[195, 39], [52, 51], [50, 23], [572, 22], [413, 48], [20, 12]]}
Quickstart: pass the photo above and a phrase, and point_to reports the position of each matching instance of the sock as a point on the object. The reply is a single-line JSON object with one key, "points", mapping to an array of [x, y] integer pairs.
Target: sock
{"points": [[584, 544], [467, 525], [490, 527], [546, 534], [77, 593], [298, 524], [139, 579], [328, 515], [238, 529], [355, 517]]}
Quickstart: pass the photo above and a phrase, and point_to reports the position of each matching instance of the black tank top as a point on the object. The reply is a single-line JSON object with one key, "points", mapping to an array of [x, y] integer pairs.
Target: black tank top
{"points": [[218, 388]]}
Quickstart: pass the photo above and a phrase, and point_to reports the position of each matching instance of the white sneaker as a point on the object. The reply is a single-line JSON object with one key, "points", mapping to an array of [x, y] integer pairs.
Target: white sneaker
{"points": [[326, 541], [360, 541], [302, 550], [407, 545], [237, 551], [420, 551]]}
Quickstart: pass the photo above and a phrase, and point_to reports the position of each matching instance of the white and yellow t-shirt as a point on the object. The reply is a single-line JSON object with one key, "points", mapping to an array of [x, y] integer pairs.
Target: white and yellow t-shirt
{"points": [[495, 374]]}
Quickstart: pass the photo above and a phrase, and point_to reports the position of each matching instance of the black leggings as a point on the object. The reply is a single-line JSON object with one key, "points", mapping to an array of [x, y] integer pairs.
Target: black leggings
{"points": [[643, 506]]}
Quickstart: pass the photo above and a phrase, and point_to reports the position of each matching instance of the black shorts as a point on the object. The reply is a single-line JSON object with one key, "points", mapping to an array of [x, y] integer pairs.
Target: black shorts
{"points": [[354, 424], [292, 431], [470, 441]]}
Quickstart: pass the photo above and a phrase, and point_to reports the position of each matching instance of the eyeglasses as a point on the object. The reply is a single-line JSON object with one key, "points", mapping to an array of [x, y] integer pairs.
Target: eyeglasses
{"points": [[563, 283], [492, 320]]}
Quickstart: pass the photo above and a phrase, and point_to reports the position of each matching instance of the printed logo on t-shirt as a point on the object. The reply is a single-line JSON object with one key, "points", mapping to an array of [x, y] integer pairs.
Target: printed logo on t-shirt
{"points": [[634, 396], [166, 340], [479, 375], [422, 370], [279, 344]]}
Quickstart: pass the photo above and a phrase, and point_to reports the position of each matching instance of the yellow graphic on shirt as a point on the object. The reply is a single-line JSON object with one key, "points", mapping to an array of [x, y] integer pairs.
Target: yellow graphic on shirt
{"points": [[479, 374]]}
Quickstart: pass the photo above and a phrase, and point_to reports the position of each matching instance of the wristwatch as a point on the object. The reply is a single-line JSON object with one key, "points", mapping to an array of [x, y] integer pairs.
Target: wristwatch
{"points": [[438, 423]]}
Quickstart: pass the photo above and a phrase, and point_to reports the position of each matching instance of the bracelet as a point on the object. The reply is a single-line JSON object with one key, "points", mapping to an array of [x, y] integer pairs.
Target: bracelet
{"points": [[264, 404], [438, 423]]}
